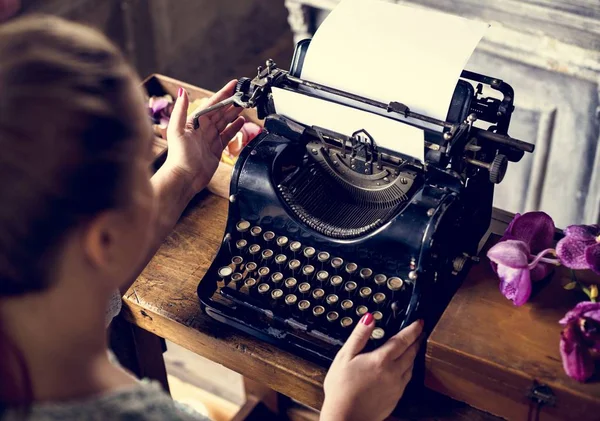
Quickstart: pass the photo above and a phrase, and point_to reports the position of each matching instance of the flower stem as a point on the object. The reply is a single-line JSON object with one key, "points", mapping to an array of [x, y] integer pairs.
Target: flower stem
{"points": [[540, 258]]}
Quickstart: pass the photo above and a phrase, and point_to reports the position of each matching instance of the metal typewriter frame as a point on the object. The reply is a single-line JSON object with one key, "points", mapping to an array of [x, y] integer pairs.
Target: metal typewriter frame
{"points": [[459, 153]]}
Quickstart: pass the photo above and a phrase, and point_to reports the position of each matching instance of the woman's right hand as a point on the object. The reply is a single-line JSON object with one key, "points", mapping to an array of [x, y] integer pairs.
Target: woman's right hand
{"points": [[367, 386]]}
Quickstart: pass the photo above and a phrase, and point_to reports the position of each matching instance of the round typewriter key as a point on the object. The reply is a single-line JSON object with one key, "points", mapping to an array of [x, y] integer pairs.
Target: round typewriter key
{"points": [[263, 272], [332, 316], [350, 287], [337, 262], [290, 283], [254, 249], [336, 281], [295, 246], [291, 300], [380, 280], [378, 298], [294, 265], [395, 283], [309, 252], [268, 236], [365, 292], [266, 254], [304, 288], [346, 322], [225, 272], [263, 289], [250, 283], [282, 241], [237, 261], [318, 294], [242, 226], [351, 268], [276, 296], [255, 231], [377, 316], [303, 306], [346, 305], [332, 300], [361, 311], [251, 267], [241, 245], [276, 278], [377, 334], [366, 273], [280, 259], [237, 277], [318, 311], [308, 271], [323, 257], [322, 276]]}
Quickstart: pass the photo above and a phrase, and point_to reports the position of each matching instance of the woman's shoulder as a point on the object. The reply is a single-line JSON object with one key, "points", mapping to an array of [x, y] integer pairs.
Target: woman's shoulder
{"points": [[145, 401]]}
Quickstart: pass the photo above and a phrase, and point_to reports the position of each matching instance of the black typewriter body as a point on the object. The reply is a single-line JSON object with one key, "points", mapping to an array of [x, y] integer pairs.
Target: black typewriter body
{"points": [[324, 227]]}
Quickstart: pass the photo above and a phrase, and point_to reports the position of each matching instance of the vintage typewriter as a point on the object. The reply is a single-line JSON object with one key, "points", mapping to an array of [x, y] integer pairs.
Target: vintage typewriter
{"points": [[324, 227]]}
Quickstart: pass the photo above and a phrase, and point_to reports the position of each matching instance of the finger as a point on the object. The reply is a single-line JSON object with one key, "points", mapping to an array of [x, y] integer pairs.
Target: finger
{"points": [[231, 131], [224, 93], [227, 116], [178, 118], [359, 336], [406, 376], [399, 343], [406, 360]]}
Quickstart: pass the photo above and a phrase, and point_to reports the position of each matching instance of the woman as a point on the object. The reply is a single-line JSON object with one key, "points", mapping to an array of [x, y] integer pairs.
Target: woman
{"points": [[80, 216]]}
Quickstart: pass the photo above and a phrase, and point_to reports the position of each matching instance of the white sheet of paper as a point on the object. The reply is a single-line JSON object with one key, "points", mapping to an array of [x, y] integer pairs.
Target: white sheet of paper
{"points": [[390, 52], [387, 133]]}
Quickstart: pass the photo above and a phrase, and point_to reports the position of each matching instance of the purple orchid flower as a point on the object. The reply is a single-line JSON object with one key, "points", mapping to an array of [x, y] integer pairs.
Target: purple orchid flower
{"points": [[580, 247], [160, 109], [518, 259], [580, 335]]}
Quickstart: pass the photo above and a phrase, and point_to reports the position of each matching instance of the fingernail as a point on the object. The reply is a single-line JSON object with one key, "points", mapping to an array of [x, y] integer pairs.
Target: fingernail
{"points": [[180, 92], [367, 319]]}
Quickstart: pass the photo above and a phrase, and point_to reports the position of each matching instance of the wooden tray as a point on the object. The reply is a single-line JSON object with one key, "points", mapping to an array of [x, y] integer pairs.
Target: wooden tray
{"points": [[490, 354]]}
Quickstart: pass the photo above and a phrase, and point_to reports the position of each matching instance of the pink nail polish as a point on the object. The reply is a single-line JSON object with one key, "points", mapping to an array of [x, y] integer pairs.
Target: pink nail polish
{"points": [[367, 319], [180, 92]]}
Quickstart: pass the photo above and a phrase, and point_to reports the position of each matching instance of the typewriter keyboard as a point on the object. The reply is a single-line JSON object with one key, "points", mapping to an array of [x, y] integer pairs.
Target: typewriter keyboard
{"points": [[318, 289]]}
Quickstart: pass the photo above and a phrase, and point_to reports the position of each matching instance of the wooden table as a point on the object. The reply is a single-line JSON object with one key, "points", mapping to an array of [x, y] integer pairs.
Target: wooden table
{"points": [[163, 304]]}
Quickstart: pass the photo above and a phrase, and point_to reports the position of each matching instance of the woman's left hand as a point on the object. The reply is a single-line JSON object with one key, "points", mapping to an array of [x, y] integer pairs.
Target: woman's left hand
{"points": [[195, 154]]}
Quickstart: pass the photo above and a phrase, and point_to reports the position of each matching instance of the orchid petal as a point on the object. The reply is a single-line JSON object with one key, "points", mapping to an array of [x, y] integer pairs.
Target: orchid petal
{"points": [[592, 257], [536, 229], [512, 224], [515, 284], [571, 252], [583, 232], [541, 271], [576, 358], [585, 308], [511, 253]]}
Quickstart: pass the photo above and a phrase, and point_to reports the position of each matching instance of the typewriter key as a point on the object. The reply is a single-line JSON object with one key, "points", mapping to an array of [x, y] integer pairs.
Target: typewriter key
{"points": [[237, 277], [366, 274], [263, 272], [378, 298], [308, 271], [251, 267], [346, 322], [276, 296], [350, 287], [332, 300], [323, 257], [322, 276], [290, 300], [225, 274], [255, 232], [254, 249], [304, 288], [309, 252], [336, 281], [361, 311], [237, 262], [295, 246], [268, 237], [318, 311], [346, 305], [241, 245], [377, 316], [280, 259], [242, 226], [276, 278], [380, 280], [290, 284], [318, 294], [332, 316], [303, 306], [250, 283], [351, 268], [337, 263], [365, 293], [263, 289], [282, 241], [266, 254], [294, 265], [377, 334], [395, 283]]}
